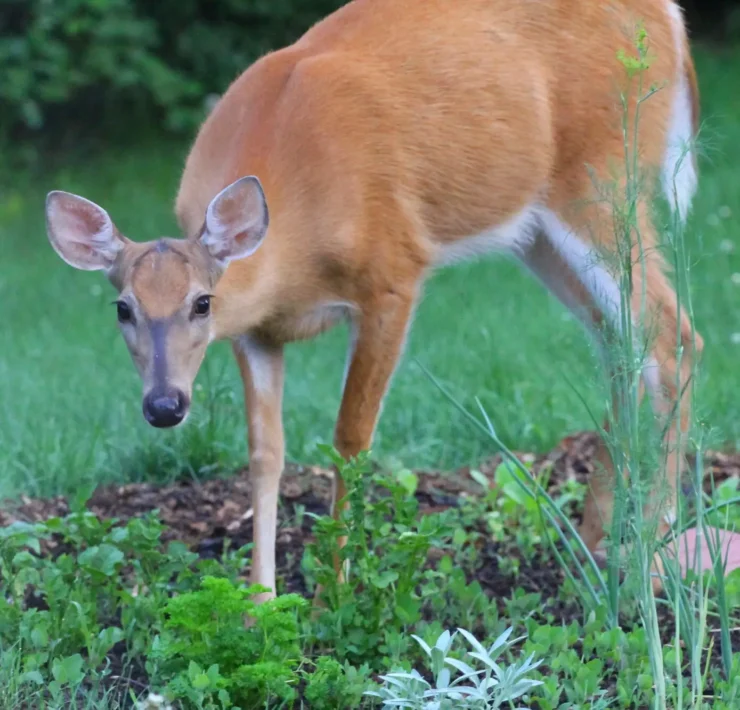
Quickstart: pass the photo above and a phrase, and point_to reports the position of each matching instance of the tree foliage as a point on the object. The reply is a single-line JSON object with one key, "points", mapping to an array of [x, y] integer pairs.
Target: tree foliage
{"points": [[120, 54], [67, 61]]}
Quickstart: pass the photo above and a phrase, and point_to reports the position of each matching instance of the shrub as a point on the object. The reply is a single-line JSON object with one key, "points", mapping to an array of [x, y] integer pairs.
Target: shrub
{"points": [[166, 55]]}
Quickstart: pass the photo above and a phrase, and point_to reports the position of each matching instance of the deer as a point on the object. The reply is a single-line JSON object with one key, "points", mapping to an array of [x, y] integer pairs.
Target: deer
{"points": [[391, 139]]}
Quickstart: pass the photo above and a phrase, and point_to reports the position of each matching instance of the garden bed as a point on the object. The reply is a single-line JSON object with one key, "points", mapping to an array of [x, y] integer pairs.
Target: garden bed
{"points": [[205, 514], [215, 515]]}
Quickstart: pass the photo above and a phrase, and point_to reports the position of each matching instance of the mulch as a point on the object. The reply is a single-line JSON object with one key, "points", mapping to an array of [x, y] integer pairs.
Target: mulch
{"points": [[206, 515], [199, 512]]}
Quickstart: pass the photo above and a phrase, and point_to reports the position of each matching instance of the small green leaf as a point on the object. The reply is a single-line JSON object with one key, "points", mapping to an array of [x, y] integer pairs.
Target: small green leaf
{"points": [[102, 558], [383, 579], [23, 559], [445, 565], [194, 670], [32, 677], [459, 537], [39, 637], [409, 480], [119, 534], [55, 689], [68, 670], [78, 503], [480, 479], [506, 480], [109, 637], [200, 681], [407, 609]]}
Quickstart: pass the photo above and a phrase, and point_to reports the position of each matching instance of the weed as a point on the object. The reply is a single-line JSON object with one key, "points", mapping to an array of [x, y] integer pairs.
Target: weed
{"points": [[386, 553], [206, 650]]}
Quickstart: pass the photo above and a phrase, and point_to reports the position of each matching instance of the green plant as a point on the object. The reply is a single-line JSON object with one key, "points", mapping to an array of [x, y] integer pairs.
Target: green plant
{"points": [[479, 682], [674, 676], [62, 614], [512, 508], [333, 686], [206, 650], [106, 54], [385, 557]]}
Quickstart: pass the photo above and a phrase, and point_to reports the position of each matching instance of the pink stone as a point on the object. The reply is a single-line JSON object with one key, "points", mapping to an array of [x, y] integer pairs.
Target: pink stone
{"points": [[687, 542]]}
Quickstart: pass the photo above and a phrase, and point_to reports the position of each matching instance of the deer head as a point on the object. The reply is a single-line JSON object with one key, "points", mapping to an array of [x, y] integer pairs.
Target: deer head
{"points": [[165, 287]]}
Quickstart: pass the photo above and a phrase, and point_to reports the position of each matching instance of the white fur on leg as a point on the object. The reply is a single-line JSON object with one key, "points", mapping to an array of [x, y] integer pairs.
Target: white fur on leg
{"points": [[586, 264], [679, 172]]}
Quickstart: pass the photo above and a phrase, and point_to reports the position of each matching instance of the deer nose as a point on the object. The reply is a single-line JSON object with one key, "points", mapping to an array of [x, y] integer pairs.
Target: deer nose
{"points": [[165, 408]]}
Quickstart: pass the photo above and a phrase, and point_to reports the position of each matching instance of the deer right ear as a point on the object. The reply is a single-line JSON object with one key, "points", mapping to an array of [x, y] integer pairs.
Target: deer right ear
{"points": [[81, 232]]}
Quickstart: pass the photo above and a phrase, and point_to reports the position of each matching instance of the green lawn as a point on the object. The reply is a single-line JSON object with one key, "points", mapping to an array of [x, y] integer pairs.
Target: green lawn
{"points": [[70, 398]]}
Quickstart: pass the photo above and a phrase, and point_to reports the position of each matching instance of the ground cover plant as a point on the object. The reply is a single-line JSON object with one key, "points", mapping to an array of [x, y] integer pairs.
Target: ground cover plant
{"points": [[461, 592], [98, 612]]}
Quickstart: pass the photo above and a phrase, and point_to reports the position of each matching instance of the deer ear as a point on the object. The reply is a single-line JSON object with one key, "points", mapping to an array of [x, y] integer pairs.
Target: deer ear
{"points": [[81, 232], [236, 221]]}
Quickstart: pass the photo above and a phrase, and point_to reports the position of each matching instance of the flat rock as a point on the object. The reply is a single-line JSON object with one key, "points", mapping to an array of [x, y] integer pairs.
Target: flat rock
{"points": [[696, 550]]}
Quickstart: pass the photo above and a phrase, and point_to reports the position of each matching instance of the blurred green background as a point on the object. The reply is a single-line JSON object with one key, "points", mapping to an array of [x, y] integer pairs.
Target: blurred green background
{"points": [[102, 98]]}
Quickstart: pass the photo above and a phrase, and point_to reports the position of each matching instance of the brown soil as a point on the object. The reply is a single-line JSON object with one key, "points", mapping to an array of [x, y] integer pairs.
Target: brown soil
{"points": [[201, 513]]}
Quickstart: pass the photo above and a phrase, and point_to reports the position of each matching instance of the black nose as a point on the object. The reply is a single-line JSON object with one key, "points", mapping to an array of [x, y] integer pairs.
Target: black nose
{"points": [[165, 408]]}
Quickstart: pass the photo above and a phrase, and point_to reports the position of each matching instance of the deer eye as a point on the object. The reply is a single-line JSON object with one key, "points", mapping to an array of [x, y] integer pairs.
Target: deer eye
{"points": [[124, 312], [202, 306]]}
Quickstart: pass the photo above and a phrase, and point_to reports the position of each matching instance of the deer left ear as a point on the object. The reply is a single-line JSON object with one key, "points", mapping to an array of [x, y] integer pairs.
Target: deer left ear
{"points": [[236, 221]]}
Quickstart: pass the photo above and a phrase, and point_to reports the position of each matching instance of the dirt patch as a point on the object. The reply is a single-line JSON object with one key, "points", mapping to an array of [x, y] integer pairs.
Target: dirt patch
{"points": [[197, 513]]}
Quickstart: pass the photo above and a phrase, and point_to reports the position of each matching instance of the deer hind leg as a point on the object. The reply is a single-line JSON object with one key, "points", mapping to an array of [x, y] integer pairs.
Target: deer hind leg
{"points": [[565, 261], [556, 257], [675, 346]]}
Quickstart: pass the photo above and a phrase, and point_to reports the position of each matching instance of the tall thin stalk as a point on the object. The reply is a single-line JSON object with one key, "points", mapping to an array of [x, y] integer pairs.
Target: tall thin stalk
{"points": [[636, 505]]}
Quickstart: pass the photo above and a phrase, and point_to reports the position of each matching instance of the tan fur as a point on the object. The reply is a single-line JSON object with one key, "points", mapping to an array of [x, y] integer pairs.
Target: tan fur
{"points": [[161, 281], [389, 132]]}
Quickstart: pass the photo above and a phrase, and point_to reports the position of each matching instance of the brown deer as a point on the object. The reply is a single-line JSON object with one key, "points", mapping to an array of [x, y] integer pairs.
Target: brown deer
{"points": [[391, 138]]}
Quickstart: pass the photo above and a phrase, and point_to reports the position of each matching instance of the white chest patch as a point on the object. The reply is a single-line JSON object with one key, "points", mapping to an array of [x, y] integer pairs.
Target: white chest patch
{"points": [[259, 362]]}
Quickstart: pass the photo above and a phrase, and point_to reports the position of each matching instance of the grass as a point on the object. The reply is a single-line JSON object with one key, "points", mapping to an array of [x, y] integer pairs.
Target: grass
{"points": [[70, 398]]}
